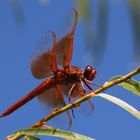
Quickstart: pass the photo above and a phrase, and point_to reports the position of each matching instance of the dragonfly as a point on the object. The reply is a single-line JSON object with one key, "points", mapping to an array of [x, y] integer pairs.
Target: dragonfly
{"points": [[62, 79]]}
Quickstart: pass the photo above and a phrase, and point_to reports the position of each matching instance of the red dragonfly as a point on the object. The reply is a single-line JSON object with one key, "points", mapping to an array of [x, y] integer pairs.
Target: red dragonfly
{"points": [[63, 79]]}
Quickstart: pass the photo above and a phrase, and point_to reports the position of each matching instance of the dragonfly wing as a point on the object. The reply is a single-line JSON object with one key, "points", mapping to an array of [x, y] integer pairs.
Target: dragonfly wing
{"points": [[65, 43], [77, 92], [73, 90], [53, 98], [44, 63], [78, 89], [52, 53]]}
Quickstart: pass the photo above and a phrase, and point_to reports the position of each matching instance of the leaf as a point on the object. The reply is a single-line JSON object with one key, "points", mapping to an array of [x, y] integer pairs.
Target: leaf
{"points": [[131, 85], [29, 137], [134, 9], [122, 104], [52, 132]]}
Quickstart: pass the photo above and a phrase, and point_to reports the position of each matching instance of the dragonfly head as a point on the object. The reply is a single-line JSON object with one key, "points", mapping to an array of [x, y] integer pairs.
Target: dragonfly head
{"points": [[89, 73]]}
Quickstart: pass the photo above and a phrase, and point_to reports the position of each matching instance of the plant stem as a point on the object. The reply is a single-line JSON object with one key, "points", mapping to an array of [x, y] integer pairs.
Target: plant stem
{"points": [[88, 96]]}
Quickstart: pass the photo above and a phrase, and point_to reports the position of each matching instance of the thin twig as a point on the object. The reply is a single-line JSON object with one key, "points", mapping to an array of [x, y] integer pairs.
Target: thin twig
{"points": [[88, 96]]}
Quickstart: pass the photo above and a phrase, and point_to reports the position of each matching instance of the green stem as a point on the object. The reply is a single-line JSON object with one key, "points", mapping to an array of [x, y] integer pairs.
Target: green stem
{"points": [[88, 96]]}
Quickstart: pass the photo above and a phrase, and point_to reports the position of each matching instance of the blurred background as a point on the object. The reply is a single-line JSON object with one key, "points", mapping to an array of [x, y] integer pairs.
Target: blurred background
{"points": [[107, 37]]}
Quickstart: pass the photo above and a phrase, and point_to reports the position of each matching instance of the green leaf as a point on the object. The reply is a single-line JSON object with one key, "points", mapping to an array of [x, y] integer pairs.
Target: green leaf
{"points": [[52, 132], [29, 137], [122, 104], [131, 85]]}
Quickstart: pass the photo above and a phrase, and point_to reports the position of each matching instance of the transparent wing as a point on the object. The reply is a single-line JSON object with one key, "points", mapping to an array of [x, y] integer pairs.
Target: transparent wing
{"points": [[53, 98], [65, 43], [85, 106], [76, 93], [44, 63], [54, 53]]}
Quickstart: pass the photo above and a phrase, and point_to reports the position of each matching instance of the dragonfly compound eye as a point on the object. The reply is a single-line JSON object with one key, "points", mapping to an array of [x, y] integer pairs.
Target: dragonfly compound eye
{"points": [[89, 73]]}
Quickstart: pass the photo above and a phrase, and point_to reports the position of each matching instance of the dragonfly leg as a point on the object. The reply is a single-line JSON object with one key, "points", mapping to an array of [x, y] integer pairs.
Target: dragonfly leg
{"points": [[70, 92], [89, 82], [95, 84], [84, 91], [88, 86], [83, 88], [70, 97]]}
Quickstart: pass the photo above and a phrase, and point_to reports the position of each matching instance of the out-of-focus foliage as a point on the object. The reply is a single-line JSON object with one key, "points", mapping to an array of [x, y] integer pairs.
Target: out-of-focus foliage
{"points": [[95, 29], [134, 9], [44, 2], [18, 12], [95, 25]]}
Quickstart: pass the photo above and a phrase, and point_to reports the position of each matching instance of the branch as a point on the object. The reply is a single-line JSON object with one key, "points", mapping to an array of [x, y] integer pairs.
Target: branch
{"points": [[86, 97]]}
